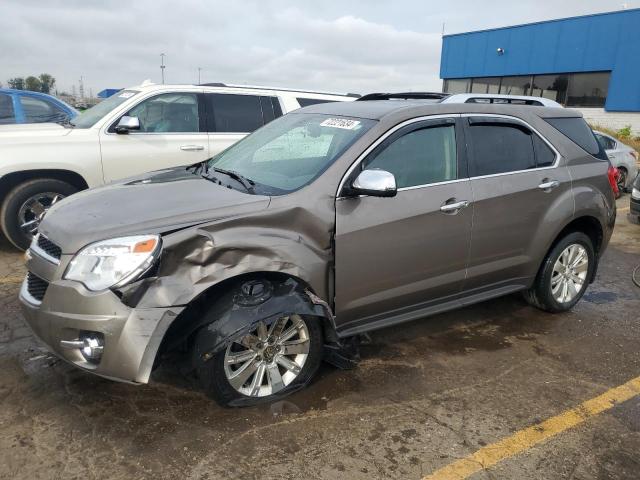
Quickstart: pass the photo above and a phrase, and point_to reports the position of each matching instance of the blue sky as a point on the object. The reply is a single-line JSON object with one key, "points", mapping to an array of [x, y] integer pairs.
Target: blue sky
{"points": [[354, 46]]}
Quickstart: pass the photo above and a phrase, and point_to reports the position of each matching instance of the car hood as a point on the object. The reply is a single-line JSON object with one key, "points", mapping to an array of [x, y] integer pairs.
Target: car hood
{"points": [[153, 203], [30, 130]]}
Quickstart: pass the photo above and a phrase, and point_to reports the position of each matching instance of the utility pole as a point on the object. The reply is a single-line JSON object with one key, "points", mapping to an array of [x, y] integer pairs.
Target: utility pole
{"points": [[81, 87], [162, 66], [199, 70]]}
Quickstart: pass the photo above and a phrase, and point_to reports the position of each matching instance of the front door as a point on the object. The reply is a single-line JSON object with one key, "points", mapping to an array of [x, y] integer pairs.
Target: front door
{"points": [[398, 255], [172, 133]]}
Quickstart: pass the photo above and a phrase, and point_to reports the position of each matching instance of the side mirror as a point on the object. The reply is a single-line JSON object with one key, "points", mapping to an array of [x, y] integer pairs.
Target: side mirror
{"points": [[374, 183], [126, 124]]}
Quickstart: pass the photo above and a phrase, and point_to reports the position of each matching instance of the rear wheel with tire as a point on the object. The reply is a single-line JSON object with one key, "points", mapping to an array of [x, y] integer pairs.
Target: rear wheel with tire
{"points": [[25, 206], [564, 275], [266, 363]]}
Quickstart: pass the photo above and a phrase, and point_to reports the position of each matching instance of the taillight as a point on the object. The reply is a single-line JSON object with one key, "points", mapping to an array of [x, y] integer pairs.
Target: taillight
{"points": [[612, 174]]}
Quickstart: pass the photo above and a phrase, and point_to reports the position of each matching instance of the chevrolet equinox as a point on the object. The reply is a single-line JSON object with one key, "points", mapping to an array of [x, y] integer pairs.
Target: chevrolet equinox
{"points": [[328, 222]]}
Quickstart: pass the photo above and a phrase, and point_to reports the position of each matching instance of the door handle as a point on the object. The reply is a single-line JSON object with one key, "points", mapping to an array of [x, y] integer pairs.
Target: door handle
{"points": [[191, 148], [548, 185], [454, 207]]}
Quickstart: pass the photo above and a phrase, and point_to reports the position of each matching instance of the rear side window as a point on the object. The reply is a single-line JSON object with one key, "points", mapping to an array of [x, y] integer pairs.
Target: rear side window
{"points": [[37, 110], [577, 130], [500, 148], [606, 142], [419, 157], [234, 113], [6, 110], [305, 102]]}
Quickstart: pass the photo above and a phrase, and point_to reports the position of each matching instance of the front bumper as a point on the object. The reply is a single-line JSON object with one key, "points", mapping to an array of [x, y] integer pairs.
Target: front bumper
{"points": [[132, 336]]}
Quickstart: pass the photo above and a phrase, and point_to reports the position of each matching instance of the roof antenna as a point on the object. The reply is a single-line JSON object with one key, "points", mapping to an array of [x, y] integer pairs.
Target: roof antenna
{"points": [[443, 29]]}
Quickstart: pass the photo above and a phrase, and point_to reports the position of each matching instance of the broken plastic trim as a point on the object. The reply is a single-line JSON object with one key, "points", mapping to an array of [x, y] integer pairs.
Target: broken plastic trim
{"points": [[238, 311]]}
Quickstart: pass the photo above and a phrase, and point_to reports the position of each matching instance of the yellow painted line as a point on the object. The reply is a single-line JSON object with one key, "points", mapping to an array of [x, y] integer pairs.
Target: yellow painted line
{"points": [[624, 209], [523, 440], [11, 279]]}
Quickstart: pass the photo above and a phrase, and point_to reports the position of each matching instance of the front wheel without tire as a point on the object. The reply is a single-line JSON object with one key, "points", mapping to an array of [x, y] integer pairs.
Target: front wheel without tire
{"points": [[564, 275], [25, 206], [265, 363]]}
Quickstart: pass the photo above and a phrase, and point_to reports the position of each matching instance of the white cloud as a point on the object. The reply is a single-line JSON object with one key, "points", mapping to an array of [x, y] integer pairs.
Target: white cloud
{"points": [[358, 46]]}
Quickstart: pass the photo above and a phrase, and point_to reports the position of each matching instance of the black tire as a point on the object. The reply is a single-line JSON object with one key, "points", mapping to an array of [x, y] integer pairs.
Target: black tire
{"points": [[16, 198], [540, 294], [213, 379]]}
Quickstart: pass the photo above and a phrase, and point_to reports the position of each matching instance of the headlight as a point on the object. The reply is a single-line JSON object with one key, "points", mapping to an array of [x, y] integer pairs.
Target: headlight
{"points": [[635, 193], [113, 262]]}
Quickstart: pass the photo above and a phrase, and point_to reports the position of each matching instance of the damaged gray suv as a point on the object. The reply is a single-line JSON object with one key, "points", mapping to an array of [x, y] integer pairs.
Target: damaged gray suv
{"points": [[329, 222]]}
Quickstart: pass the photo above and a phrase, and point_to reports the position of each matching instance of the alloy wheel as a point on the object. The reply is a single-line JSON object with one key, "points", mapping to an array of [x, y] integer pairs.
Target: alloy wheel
{"points": [[267, 359], [569, 273], [34, 209]]}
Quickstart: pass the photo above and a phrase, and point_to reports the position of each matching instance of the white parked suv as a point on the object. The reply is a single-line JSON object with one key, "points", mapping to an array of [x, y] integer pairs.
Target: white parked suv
{"points": [[139, 129]]}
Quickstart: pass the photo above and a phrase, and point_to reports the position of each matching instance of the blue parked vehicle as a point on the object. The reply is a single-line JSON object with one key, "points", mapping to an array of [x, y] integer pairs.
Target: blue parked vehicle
{"points": [[24, 106]]}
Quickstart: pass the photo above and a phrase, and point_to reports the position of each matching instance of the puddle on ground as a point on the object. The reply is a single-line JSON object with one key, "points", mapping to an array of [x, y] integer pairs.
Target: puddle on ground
{"points": [[600, 298]]}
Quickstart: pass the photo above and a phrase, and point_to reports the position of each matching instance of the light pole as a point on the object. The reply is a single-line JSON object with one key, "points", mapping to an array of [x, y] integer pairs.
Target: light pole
{"points": [[199, 69], [162, 66]]}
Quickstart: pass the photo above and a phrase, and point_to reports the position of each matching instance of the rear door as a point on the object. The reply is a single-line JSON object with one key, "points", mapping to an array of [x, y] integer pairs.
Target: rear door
{"points": [[171, 133], [516, 183], [397, 255], [232, 116]]}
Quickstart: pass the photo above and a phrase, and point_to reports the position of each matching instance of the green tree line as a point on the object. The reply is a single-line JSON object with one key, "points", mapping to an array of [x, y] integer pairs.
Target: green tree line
{"points": [[43, 83]]}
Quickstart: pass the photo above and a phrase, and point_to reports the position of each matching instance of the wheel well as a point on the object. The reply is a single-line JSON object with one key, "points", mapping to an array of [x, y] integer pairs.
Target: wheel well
{"points": [[590, 226], [7, 182], [180, 332]]}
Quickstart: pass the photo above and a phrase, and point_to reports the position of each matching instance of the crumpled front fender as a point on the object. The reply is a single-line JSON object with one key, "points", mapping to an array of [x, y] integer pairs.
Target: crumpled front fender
{"points": [[237, 313]]}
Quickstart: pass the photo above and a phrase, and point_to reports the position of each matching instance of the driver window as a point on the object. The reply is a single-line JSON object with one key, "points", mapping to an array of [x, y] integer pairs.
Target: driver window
{"points": [[420, 157], [168, 113]]}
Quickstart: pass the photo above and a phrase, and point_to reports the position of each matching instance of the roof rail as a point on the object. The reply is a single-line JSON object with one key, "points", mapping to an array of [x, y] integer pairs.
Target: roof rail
{"points": [[404, 96], [277, 89]]}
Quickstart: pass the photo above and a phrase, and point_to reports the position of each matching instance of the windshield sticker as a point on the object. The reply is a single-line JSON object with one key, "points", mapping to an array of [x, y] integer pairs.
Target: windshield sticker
{"points": [[340, 123], [126, 94]]}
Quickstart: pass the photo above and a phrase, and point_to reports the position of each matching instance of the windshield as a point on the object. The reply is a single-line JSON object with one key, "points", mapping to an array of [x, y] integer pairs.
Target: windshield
{"points": [[88, 118], [291, 151]]}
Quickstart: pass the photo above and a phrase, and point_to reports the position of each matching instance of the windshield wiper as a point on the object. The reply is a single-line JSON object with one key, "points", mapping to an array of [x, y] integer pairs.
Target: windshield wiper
{"points": [[247, 183]]}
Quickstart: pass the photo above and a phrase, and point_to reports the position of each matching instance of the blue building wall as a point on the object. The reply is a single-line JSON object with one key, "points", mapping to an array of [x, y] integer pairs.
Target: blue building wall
{"points": [[608, 41]]}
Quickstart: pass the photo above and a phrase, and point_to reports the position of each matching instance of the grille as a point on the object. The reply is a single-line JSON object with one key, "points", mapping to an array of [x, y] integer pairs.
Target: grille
{"points": [[48, 246], [36, 286]]}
